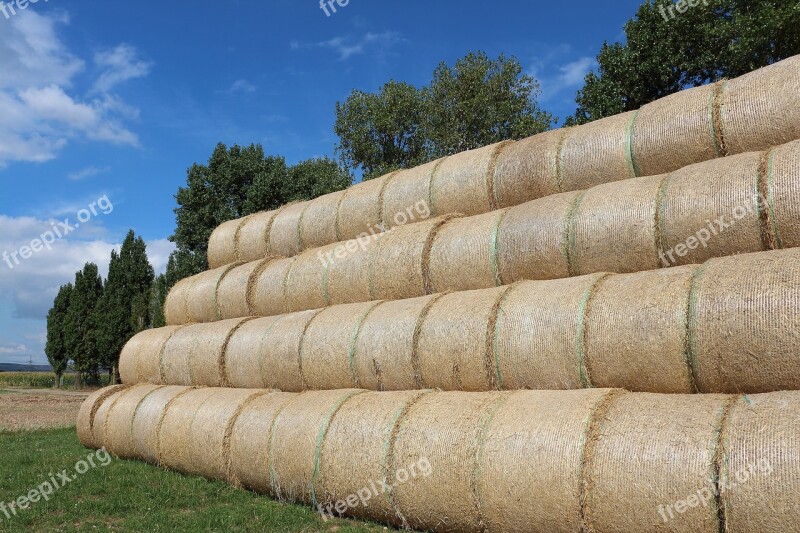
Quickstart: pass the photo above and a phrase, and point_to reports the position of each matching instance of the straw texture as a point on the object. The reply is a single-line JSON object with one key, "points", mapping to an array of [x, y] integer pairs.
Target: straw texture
{"points": [[594, 460]]}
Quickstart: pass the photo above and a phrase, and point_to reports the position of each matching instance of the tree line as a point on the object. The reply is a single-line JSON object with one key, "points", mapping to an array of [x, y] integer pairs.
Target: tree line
{"points": [[477, 101]]}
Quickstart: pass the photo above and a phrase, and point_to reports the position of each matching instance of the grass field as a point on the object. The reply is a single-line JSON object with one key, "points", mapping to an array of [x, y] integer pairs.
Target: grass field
{"points": [[133, 496], [37, 380]]}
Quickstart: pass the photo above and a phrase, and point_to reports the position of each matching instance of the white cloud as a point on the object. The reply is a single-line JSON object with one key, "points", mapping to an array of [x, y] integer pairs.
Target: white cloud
{"points": [[243, 86], [347, 46], [119, 64], [559, 75], [39, 113], [87, 172]]}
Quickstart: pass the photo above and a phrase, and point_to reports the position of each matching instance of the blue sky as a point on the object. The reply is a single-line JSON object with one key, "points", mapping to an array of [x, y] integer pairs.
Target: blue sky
{"points": [[113, 101]]}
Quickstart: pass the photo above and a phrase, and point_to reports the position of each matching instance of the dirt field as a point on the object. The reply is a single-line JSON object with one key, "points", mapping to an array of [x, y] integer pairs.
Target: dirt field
{"points": [[22, 410]]}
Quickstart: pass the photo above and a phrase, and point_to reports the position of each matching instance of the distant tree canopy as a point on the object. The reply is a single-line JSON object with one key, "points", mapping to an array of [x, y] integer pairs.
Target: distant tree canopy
{"points": [[56, 345], [237, 182], [478, 101], [667, 51]]}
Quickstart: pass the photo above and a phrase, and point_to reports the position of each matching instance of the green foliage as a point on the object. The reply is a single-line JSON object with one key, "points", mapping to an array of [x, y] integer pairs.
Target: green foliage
{"points": [[135, 496], [158, 295], [479, 101], [80, 338], [237, 182], [40, 380], [123, 310], [56, 346], [665, 54]]}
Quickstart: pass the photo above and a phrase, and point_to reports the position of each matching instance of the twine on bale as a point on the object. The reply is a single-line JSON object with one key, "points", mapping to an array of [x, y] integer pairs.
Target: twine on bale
{"points": [[494, 201], [226, 439], [629, 144], [717, 121], [429, 185], [251, 282], [475, 478], [494, 249], [769, 226], [581, 340], [136, 411], [426, 252], [273, 475], [420, 382], [387, 459], [161, 371], [591, 435], [300, 349], [217, 310], [386, 182], [237, 256], [160, 424], [569, 250], [223, 367], [691, 328], [662, 244], [717, 452], [558, 175], [323, 431], [491, 358], [351, 349]]}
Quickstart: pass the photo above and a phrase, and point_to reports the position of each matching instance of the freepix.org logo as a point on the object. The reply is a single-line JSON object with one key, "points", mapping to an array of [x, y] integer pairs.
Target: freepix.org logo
{"points": [[329, 6], [12, 8]]}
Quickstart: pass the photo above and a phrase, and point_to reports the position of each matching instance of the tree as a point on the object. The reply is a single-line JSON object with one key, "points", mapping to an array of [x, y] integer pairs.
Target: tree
{"points": [[479, 101], [80, 338], [56, 348], [667, 51], [123, 310], [158, 296], [382, 132], [237, 182]]}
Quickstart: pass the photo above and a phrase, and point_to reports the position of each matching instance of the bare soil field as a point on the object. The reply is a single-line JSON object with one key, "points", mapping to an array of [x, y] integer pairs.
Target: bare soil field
{"points": [[24, 410]]}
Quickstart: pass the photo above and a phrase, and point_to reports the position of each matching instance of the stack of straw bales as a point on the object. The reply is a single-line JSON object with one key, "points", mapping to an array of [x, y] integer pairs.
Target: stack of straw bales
{"points": [[593, 329]]}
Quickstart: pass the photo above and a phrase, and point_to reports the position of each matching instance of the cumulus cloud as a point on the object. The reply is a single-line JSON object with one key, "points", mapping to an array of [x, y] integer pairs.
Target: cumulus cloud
{"points": [[40, 113], [242, 86], [87, 172], [559, 73]]}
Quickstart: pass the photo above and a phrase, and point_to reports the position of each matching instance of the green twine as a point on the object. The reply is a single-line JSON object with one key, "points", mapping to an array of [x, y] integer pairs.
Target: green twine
{"points": [[629, 145], [568, 250], [325, 293], [323, 431], [691, 326], [580, 347], [494, 249], [771, 199], [351, 350]]}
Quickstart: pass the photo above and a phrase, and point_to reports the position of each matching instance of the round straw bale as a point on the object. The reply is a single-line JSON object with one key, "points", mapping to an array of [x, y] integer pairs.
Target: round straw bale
{"points": [[360, 209], [783, 195], [118, 431], [613, 228], [203, 305], [464, 254], [145, 423], [253, 236], [296, 442], [647, 453], [532, 239], [347, 276], [441, 431], [88, 410], [674, 132], [398, 268], [328, 347], [176, 429], [305, 281], [194, 355], [222, 244], [232, 292], [284, 235], [101, 414], [140, 357], [318, 225], [636, 331], [280, 366], [405, 191], [538, 336], [716, 202], [249, 441], [745, 323], [762, 109], [528, 475], [176, 305], [454, 343], [463, 182], [384, 353], [246, 351], [269, 288], [343, 473], [596, 153], [759, 478], [209, 432], [527, 170]]}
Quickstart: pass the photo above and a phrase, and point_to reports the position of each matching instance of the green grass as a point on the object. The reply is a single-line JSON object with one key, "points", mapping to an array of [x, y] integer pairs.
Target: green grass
{"points": [[133, 496], [38, 380]]}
